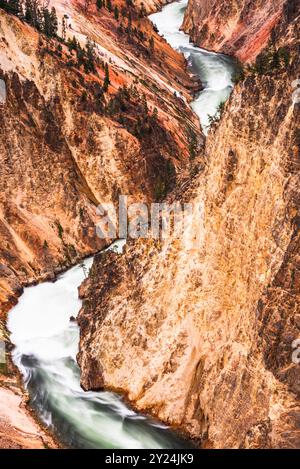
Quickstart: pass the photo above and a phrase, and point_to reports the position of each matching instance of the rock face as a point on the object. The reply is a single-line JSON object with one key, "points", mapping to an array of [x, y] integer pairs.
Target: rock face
{"points": [[235, 27], [202, 335], [18, 430], [66, 146]]}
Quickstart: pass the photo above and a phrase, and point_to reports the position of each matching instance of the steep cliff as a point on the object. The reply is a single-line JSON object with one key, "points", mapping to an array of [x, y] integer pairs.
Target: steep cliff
{"points": [[68, 143], [201, 335], [235, 27], [76, 129]]}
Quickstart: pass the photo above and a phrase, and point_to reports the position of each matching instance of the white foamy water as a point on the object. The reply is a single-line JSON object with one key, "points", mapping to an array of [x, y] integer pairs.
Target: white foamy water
{"points": [[45, 353], [215, 70]]}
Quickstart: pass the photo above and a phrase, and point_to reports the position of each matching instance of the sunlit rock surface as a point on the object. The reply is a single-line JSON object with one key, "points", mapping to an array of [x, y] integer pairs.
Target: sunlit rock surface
{"points": [[65, 149], [202, 337], [235, 27]]}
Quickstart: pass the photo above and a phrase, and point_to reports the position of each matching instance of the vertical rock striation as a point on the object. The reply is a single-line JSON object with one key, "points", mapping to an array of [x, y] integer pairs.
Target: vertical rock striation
{"points": [[202, 337], [67, 146], [235, 27]]}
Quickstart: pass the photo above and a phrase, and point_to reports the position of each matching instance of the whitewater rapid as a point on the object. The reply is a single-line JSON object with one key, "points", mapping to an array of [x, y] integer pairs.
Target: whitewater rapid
{"points": [[46, 344], [214, 70]]}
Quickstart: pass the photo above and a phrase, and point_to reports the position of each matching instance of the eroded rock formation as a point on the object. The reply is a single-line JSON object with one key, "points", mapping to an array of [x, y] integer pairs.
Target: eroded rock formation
{"points": [[66, 145], [235, 27], [202, 336]]}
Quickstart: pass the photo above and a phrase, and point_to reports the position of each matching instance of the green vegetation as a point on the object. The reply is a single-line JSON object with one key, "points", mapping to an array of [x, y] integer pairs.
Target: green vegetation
{"points": [[106, 82], [271, 60], [239, 72], [116, 13], [192, 143], [109, 5], [267, 62], [86, 56], [218, 115], [59, 229], [165, 181], [33, 13]]}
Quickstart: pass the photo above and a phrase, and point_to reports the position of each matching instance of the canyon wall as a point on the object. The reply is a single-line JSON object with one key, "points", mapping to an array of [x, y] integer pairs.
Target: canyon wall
{"points": [[67, 143], [67, 146], [201, 335], [235, 27]]}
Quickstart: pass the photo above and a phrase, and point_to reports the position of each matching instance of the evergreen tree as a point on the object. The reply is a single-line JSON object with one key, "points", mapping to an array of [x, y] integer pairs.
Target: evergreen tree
{"points": [[275, 60], [106, 78], [116, 13], [284, 54], [81, 59], [28, 12], [64, 28], [90, 56], [33, 14], [72, 44], [99, 4], [109, 5], [54, 22], [3, 4], [262, 63], [14, 7]]}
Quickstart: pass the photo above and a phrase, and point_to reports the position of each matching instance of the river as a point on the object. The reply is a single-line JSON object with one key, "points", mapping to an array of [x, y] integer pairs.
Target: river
{"points": [[214, 70], [46, 341]]}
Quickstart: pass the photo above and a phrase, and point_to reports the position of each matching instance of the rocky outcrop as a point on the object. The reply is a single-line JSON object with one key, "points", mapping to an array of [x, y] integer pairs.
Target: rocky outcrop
{"points": [[201, 334], [67, 146], [235, 27], [18, 430]]}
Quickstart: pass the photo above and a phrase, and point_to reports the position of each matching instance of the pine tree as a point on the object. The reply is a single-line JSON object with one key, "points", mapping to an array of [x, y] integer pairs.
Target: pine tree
{"points": [[28, 12], [106, 78], [116, 13], [47, 22], [99, 4], [14, 7], [109, 5], [81, 59], [262, 63], [3, 5], [284, 54], [33, 14], [53, 22], [64, 28], [90, 56], [72, 44]]}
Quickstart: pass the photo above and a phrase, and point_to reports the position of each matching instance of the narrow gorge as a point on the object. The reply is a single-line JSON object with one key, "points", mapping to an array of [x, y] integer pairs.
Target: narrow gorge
{"points": [[179, 345]]}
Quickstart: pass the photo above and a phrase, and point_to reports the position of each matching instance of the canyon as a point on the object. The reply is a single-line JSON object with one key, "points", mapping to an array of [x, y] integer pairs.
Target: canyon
{"points": [[60, 134], [202, 336], [198, 335], [67, 146]]}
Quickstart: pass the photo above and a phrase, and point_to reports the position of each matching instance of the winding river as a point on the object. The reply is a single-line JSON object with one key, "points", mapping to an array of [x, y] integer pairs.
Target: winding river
{"points": [[46, 341]]}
